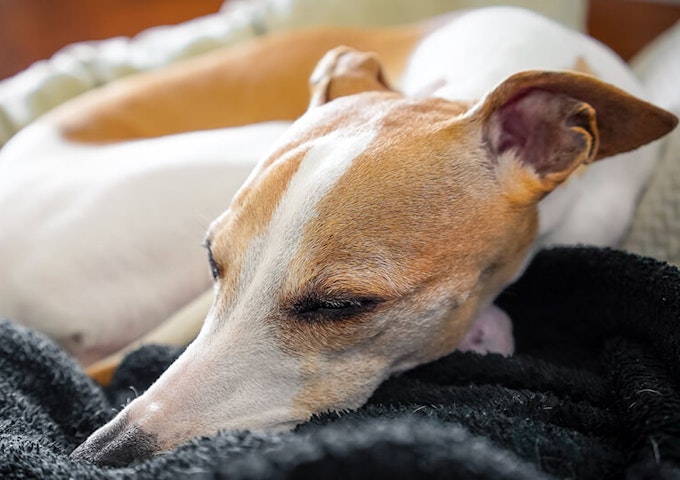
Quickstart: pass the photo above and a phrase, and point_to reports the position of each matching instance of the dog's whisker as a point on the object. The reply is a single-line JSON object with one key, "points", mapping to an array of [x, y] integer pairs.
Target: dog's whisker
{"points": [[134, 390]]}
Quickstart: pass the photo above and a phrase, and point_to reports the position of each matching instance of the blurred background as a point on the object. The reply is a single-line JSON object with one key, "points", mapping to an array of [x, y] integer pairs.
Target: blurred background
{"points": [[31, 30]]}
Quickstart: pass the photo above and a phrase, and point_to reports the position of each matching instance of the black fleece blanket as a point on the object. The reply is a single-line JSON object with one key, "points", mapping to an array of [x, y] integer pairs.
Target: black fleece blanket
{"points": [[592, 393]]}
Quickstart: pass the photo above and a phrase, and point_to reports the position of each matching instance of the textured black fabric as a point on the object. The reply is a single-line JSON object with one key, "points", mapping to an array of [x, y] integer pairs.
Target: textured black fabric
{"points": [[593, 393]]}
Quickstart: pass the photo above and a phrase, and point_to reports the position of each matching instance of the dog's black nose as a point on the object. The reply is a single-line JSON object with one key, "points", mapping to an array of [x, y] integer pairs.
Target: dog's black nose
{"points": [[116, 444]]}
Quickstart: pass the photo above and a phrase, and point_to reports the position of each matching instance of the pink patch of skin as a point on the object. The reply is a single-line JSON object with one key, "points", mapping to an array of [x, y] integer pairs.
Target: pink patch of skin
{"points": [[491, 332]]}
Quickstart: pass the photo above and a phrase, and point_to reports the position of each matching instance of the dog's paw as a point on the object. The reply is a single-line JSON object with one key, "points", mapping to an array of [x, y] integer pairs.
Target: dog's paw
{"points": [[491, 332]]}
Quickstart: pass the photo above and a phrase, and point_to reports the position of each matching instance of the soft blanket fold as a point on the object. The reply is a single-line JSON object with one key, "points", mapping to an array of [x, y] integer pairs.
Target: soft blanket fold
{"points": [[592, 393]]}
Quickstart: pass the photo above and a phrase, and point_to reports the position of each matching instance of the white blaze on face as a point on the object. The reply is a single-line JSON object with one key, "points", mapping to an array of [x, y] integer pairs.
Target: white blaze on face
{"points": [[270, 254], [234, 375]]}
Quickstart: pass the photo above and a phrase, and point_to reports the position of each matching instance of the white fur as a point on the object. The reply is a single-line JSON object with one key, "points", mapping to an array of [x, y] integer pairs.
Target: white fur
{"points": [[246, 380], [252, 381], [325, 162], [102, 241]]}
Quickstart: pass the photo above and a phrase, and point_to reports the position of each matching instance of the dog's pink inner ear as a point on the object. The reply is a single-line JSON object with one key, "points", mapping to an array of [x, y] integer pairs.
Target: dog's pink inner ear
{"points": [[552, 133], [624, 122], [553, 122], [344, 71]]}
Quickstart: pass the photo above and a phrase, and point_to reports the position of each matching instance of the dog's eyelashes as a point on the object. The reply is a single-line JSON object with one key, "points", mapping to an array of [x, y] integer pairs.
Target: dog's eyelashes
{"points": [[315, 308], [215, 269]]}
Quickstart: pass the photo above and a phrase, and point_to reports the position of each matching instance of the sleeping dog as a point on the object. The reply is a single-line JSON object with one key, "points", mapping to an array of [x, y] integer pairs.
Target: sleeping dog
{"points": [[372, 236]]}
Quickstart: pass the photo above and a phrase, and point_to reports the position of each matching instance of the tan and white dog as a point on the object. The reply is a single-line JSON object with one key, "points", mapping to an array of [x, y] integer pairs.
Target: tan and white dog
{"points": [[376, 229]]}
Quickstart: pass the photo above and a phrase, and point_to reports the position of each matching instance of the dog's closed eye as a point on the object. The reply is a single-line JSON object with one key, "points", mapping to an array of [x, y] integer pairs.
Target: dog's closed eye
{"points": [[316, 308], [215, 269]]}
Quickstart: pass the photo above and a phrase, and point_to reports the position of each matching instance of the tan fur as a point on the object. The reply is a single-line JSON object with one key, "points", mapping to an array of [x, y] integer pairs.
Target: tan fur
{"points": [[375, 242], [249, 215], [582, 66], [426, 139], [431, 212], [614, 108], [347, 73], [235, 86]]}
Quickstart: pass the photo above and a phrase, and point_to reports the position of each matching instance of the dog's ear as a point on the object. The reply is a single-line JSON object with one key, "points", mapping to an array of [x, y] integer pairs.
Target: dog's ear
{"points": [[345, 71], [553, 122]]}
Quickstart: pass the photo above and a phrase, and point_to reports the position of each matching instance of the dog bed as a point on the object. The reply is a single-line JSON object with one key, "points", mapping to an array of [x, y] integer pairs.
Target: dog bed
{"points": [[592, 393]]}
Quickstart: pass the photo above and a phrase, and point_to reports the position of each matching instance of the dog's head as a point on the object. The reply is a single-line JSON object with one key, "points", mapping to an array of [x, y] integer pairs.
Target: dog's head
{"points": [[366, 243]]}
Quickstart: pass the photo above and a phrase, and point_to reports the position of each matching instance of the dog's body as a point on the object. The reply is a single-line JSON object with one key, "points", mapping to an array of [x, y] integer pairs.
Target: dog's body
{"points": [[368, 240]]}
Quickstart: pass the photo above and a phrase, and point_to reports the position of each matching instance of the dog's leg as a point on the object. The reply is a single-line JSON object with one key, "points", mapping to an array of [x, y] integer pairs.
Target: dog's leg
{"points": [[180, 329], [115, 230], [138, 217], [261, 80]]}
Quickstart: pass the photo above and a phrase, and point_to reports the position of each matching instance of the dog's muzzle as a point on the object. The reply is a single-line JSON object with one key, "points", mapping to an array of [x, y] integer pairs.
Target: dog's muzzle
{"points": [[116, 444]]}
